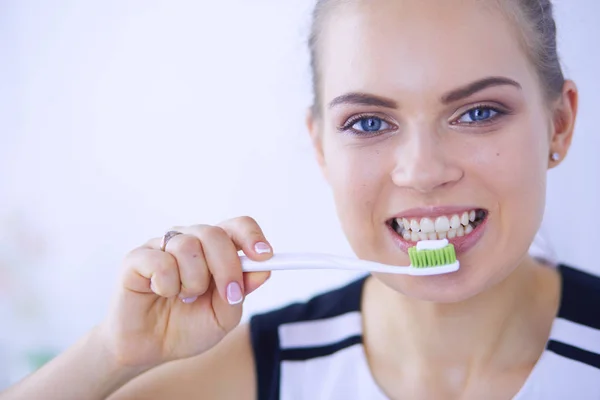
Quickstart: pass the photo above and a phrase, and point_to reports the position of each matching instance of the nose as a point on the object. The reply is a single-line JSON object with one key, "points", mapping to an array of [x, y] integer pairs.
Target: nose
{"points": [[424, 163]]}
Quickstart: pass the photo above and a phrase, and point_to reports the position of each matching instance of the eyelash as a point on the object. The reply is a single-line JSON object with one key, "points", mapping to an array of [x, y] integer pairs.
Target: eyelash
{"points": [[347, 126], [500, 112]]}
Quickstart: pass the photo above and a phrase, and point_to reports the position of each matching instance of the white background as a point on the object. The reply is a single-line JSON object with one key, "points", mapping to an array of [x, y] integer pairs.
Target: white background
{"points": [[121, 119]]}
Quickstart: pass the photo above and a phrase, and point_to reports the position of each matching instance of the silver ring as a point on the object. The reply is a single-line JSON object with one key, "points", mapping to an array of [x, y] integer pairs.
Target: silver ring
{"points": [[166, 237]]}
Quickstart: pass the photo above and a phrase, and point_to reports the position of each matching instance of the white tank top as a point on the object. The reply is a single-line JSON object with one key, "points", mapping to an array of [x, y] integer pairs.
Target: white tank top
{"points": [[314, 350]]}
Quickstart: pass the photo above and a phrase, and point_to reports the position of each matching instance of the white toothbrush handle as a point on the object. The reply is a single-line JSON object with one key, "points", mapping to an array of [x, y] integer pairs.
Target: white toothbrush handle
{"points": [[303, 261], [295, 261]]}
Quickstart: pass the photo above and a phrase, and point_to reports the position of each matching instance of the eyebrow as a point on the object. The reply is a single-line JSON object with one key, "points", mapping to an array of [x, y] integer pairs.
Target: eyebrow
{"points": [[477, 86], [363, 99]]}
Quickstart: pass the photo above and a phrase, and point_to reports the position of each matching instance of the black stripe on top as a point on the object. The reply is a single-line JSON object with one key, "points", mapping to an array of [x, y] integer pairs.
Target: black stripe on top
{"points": [[264, 333], [574, 353], [307, 353], [580, 297]]}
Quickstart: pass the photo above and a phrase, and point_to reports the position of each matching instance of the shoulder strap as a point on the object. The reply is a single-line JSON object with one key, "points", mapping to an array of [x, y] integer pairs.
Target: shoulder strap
{"points": [[580, 297], [576, 332]]}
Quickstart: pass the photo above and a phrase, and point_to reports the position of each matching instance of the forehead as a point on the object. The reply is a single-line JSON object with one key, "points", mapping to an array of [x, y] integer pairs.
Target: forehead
{"points": [[418, 46]]}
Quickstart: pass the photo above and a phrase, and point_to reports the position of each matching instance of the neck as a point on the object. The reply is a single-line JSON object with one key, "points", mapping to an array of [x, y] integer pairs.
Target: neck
{"points": [[504, 326]]}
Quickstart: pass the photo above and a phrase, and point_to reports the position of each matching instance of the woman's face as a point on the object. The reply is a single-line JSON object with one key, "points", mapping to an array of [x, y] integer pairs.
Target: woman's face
{"points": [[433, 125]]}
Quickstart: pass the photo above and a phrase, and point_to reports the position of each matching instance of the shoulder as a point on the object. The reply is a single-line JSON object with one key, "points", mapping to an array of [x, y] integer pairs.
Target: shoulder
{"points": [[330, 304], [307, 321], [316, 328]]}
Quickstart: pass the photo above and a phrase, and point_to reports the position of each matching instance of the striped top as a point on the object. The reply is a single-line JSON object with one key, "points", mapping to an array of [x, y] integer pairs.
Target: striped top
{"points": [[314, 350]]}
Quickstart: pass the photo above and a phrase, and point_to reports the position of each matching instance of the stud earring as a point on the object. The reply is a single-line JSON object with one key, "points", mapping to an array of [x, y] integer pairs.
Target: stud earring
{"points": [[555, 157]]}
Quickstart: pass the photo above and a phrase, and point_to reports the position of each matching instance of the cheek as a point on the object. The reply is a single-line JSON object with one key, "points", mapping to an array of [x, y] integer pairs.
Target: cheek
{"points": [[352, 169], [357, 175], [513, 167]]}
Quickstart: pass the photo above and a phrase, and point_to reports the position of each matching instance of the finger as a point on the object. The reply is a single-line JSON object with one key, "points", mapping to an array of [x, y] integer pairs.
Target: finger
{"points": [[149, 270], [254, 280], [222, 261], [247, 235], [193, 270]]}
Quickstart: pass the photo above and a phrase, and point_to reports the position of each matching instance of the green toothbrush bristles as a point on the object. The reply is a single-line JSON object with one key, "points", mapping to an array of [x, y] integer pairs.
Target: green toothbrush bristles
{"points": [[432, 258]]}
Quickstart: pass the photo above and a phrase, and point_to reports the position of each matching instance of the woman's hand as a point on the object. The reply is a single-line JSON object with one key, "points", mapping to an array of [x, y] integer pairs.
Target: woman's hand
{"points": [[181, 302]]}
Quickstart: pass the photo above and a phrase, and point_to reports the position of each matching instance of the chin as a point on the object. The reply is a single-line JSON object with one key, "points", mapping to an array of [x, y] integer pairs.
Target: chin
{"points": [[455, 287], [476, 275]]}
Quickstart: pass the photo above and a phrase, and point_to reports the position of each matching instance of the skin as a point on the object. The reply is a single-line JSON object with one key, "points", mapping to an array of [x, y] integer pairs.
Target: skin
{"points": [[426, 156], [471, 334], [385, 48]]}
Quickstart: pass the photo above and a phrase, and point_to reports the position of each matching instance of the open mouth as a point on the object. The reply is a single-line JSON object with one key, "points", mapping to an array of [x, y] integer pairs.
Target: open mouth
{"points": [[451, 227]]}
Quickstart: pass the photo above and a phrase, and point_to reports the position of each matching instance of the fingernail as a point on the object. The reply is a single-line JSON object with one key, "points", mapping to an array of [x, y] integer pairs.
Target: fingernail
{"points": [[262, 248], [188, 300], [234, 293], [152, 285]]}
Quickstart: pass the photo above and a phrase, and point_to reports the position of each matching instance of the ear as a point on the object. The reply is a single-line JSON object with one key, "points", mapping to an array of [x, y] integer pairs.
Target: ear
{"points": [[314, 125], [563, 122]]}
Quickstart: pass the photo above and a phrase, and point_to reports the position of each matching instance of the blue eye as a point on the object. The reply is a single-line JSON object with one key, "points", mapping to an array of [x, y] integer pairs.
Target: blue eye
{"points": [[370, 124], [479, 114]]}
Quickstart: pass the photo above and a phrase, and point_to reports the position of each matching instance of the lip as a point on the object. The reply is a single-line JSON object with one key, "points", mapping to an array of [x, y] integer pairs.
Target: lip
{"points": [[461, 244], [423, 212]]}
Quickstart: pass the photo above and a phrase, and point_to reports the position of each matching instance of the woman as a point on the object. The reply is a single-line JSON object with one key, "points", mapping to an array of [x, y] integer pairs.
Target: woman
{"points": [[430, 118]]}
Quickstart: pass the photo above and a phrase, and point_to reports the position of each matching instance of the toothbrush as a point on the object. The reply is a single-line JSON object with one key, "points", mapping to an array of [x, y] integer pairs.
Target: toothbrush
{"points": [[428, 257]]}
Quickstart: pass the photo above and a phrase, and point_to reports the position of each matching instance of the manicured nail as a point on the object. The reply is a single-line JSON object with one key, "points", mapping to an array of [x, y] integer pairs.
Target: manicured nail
{"points": [[234, 293], [152, 285], [262, 248], [189, 300]]}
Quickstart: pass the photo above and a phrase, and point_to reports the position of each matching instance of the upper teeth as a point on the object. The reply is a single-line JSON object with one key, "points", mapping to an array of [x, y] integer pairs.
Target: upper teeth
{"points": [[451, 224]]}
